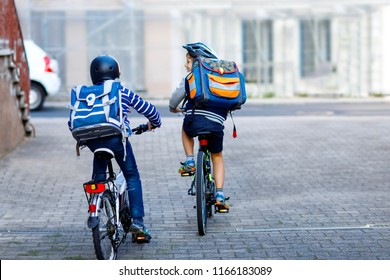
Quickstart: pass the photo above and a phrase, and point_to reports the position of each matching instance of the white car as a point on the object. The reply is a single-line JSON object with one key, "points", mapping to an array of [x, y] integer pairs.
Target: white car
{"points": [[43, 75]]}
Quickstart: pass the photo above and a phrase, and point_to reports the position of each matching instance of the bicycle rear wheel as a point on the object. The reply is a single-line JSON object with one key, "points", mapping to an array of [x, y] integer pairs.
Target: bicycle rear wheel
{"points": [[124, 212], [200, 181], [104, 233]]}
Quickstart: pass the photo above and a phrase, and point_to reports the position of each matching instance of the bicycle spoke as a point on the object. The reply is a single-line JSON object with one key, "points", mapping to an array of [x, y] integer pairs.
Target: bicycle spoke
{"points": [[104, 232]]}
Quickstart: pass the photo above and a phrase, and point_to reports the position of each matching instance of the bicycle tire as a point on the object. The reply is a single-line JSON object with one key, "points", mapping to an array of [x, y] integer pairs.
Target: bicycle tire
{"points": [[210, 200], [124, 212], [105, 230], [200, 181]]}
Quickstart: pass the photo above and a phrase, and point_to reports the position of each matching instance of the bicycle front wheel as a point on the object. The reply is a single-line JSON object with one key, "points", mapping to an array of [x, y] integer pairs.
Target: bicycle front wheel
{"points": [[104, 233], [200, 181]]}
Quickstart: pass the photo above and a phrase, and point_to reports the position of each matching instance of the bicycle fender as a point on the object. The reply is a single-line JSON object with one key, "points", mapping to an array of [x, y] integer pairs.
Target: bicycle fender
{"points": [[93, 222], [121, 183], [93, 219]]}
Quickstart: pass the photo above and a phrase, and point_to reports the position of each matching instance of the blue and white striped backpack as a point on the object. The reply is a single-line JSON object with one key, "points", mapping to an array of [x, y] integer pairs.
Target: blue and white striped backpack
{"points": [[96, 111], [216, 83]]}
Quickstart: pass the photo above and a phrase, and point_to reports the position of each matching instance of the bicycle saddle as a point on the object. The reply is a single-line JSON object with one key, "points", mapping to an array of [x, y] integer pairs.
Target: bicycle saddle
{"points": [[104, 153], [204, 133]]}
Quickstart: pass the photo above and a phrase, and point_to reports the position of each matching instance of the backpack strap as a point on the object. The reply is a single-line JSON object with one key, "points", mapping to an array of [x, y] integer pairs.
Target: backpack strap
{"points": [[234, 126], [121, 119], [78, 90], [78, 148], [76, 104], [107, 87], [184, 101], [187, 90]]}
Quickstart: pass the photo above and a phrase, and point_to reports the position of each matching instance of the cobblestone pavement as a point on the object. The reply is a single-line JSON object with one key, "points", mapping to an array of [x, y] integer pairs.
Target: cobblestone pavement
{"points": [[301, 188]]}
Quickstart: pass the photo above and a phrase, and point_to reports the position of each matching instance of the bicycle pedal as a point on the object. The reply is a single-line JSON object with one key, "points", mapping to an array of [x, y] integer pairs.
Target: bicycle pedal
{"points": [[221, 209], [140, 239], [187, 174]]}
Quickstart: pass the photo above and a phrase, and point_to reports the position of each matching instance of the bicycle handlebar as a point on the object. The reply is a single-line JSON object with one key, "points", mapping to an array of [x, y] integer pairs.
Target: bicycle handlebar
{"points": [[140, 129]]}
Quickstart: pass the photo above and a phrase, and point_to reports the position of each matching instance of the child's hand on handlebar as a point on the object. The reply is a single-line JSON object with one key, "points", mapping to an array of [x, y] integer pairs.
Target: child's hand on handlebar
{"points": [[143, 128], [150, 126], [140, 129]]}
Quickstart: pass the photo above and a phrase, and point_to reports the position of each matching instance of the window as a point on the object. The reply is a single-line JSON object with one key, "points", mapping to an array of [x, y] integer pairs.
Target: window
{"points": [[258, 51], [315, 48], [117, 34], [48, 31]]}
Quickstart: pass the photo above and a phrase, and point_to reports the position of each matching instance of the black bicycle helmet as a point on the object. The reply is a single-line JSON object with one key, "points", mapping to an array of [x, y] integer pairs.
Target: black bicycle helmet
{"points": [[200, 49], [104, 67]]}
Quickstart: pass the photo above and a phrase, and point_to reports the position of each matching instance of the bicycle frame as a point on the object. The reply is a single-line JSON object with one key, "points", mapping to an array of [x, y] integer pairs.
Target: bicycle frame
{"points": [[210, 185], [109, 195], [94, 192], [109, 208], [203, 182]]}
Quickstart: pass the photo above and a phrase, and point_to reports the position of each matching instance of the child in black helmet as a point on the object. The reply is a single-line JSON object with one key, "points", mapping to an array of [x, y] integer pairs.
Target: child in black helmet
{"points": [[105, 69]]}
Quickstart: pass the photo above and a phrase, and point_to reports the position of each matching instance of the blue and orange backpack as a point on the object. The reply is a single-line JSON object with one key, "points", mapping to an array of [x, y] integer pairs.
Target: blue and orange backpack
{"points": [[216, 83]]}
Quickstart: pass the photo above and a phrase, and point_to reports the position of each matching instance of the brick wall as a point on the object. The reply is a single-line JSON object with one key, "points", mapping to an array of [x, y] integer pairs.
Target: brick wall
{"points": [[14, 80]]}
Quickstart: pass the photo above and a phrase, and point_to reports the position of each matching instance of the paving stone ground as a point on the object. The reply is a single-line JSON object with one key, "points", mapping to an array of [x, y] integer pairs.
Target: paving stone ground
{"points": [[301, 188]]}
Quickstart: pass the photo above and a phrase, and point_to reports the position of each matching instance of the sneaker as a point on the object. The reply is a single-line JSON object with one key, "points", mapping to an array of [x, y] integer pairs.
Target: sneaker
{"points": [[187, 167], [220, 201], [139, 229]]}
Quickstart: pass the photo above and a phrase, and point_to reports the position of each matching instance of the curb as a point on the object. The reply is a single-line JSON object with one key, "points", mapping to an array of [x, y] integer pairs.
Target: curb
{"points": [[296, 100]]}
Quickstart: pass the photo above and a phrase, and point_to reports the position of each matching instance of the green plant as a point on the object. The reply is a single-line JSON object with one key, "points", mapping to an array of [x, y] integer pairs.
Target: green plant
{"points": [[301, 94], [268, 95]]}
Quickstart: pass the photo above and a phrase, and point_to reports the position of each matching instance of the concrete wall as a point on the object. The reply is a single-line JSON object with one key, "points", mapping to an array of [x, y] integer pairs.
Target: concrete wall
{"points": [[360, 60], [158, 59]]}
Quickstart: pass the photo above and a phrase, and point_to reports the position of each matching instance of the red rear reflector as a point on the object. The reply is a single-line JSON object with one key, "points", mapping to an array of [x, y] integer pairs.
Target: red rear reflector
{"points": [[203, 142], [92, 208], [95, 188]]}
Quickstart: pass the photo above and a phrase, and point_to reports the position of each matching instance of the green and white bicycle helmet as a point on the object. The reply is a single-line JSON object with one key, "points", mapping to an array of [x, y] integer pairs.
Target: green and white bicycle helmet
{"points": [[200, 49]]}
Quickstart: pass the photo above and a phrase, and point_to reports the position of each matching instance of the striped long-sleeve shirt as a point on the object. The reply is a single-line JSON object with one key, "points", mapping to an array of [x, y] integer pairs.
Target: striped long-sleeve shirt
{"points": [[217, 115], [145, 108]]}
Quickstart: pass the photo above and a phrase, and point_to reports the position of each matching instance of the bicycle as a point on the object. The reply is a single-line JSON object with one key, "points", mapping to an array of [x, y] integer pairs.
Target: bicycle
{"points": [[203, 186], [109, 208]]}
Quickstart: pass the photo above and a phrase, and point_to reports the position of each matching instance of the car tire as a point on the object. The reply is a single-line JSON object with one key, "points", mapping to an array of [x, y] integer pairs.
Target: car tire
{"points": [[37, 97]]}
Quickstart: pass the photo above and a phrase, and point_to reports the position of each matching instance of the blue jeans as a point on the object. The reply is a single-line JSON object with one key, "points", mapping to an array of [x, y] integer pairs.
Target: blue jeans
{"points": [[128, 167]]}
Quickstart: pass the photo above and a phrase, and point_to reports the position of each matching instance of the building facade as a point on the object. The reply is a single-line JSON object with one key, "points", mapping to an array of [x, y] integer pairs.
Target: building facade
{"points": [[284, 48]]}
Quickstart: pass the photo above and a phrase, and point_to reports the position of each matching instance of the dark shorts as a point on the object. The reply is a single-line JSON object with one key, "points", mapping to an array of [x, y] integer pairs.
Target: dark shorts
{"points": [[197, 124]]}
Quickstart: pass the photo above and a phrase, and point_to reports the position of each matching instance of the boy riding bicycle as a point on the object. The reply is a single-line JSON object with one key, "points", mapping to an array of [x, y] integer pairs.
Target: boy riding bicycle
{"points": [[201, 119], [104, 70]]}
